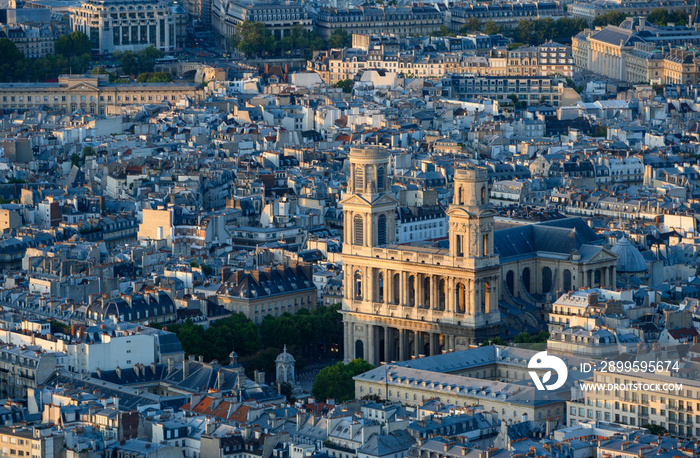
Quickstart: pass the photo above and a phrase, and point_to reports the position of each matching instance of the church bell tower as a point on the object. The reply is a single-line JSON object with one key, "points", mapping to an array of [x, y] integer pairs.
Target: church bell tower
{"points": [[471, 235]]}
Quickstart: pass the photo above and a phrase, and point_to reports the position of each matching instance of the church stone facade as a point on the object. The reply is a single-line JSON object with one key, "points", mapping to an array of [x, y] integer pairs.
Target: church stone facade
{"points": [[403, 301]]}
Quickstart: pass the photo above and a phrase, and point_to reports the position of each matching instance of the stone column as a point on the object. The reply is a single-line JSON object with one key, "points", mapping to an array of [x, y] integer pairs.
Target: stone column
{"points": [[402, 344], [416, 343], [348, 342], [419, 290], [369, 275], [387, 287], [387, 347]]}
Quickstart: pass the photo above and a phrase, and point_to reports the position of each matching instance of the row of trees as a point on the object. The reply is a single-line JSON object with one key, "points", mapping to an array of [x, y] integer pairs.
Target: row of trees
{"points": [[562, 30], [306, 334], [253, 39], [335, 382], [72, 53]]}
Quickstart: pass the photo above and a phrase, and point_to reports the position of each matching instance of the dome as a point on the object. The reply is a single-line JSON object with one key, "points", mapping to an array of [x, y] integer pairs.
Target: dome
{"points": [[629, 259], [284, 357]]}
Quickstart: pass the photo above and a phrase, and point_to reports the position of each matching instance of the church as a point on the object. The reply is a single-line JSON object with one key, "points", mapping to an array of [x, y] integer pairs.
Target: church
{"points": [[404, 301]]}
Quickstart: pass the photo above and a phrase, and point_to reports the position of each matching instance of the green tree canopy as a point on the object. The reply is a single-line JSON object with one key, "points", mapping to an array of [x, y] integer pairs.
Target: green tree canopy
{"points": [[12, 64], [345, 85], [157, 77], [661, 17], [73, 45], [472, 25], [336, 381], [340, 39], [253, 39], [491, 28], [613, 17], [443, 31]]}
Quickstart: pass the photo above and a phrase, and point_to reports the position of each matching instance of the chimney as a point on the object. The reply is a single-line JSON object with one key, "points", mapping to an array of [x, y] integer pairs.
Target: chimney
{"points": [[136, 369], [99, 372], [171, 365], [119, 372], [225, 272], [220, 379], [201, 358], [185, 369], [153, 368]]}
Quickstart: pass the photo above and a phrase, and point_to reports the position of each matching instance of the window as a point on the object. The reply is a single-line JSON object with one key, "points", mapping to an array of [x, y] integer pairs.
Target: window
{"points": [[358, 231], [381, 230]]}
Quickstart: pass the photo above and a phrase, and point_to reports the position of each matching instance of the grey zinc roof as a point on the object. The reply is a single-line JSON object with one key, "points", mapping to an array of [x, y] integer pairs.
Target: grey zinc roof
{"points": [[383, 444], [629, 259], [558, 236]]}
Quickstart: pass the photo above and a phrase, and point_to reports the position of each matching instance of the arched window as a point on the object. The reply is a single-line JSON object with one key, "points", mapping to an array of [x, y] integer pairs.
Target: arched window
{"points": [[359, 179], [426, 293], [358, 285], [359, 231], [381, 179], [380, 287], [510, 281], [396, 289], [567, 280], [442, 294], [359, 349], [486, 298], [546, 279], [461, 299], [411, 291], [381, 230], [526, 279]]}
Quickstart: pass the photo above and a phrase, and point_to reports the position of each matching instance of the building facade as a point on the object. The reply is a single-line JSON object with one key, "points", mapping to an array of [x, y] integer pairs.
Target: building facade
{"points": [[279, 17], [92, 94], [32, 42], [421, 20], [403, 300], [125, 25]]}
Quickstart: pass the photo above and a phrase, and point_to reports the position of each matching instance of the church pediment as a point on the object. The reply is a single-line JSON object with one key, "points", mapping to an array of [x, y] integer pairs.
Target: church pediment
{"points": [[82, 87], [385, 200], [596, 254], [354, 199]]}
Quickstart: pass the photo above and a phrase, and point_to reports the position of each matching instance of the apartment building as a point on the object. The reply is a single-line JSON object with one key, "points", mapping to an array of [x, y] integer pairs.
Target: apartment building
{"points": [[269, 291], [92, 94], [400, 20], [530, 90], [125, 25], [23, 367], [32, 42], [34, 442], [501, 13], [672, 407], [591, 10], [551, 59], [279, 17]]}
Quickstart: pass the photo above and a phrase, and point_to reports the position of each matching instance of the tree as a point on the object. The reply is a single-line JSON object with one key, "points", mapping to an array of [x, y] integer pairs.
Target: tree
{"points": [[497, 341], [75, 159], [524, 337], [253, 39], [335, 382], [147, 58], [491, 28], [339, 39], [472, 25], [614, 18], [443, 31], [73, 45], [657, 430], [157, 77], [659, 17], [345, 85], [11, 61], [600, 131], [129, 63]]}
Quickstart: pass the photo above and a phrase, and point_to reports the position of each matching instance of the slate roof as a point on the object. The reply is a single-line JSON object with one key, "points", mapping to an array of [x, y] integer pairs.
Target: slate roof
{"points": [[387, 444], [557, 236], [267, 282]]}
